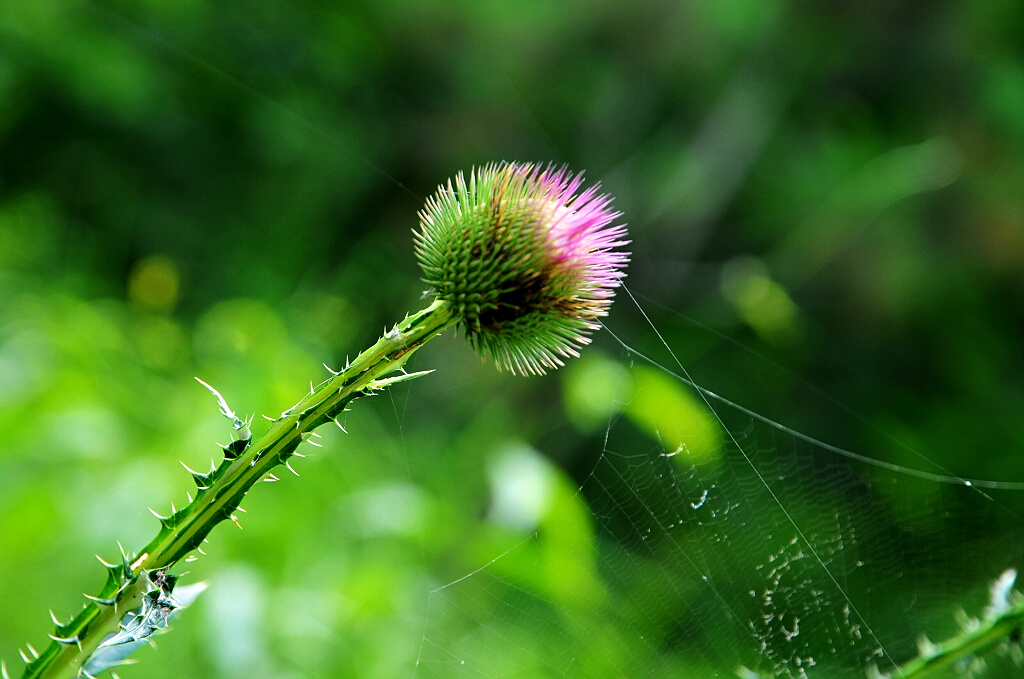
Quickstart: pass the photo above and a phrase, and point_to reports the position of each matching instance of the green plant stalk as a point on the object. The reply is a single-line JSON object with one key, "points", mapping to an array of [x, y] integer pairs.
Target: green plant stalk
{"points": [[973, 642], [221, 491]]}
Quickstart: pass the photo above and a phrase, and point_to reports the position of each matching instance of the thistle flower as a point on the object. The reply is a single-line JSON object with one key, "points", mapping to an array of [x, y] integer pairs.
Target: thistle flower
{"points": [[517, 258], [527, 264]]}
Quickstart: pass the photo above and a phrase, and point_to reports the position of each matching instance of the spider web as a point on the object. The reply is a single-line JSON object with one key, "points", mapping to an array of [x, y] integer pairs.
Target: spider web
{"points": [[734, 545], [770, 554]]}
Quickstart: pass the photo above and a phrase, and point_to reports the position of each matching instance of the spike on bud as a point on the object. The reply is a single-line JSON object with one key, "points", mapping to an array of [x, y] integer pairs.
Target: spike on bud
{"points": [[527, 261]]}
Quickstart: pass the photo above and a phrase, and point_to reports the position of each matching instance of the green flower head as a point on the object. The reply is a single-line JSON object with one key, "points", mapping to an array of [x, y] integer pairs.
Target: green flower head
{"points": [[527, 263]]}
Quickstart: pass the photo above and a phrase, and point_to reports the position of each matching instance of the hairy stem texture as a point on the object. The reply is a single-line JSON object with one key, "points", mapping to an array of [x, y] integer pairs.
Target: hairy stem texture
{"points": [[220, 492]]}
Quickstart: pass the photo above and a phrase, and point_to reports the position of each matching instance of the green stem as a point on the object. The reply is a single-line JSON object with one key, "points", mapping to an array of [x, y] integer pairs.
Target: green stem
{"points": [[973, 642], [221, 491]]}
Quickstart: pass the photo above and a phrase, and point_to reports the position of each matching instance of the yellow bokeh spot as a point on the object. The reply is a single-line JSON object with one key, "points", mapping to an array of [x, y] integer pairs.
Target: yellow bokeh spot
{"points": [[761, 302], [153, 284], [672, 414]]}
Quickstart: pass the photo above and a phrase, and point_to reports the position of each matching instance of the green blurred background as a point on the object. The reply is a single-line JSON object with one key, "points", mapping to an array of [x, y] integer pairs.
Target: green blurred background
{"points": [[826, 207]]}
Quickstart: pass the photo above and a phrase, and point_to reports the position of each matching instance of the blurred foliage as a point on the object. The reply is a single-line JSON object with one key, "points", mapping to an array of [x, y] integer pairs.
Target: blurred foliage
{"points": [[227, 190]]}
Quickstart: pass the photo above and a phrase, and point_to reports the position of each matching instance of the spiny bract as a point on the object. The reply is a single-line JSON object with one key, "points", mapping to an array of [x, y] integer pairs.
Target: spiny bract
{"points": [[526, 263]]}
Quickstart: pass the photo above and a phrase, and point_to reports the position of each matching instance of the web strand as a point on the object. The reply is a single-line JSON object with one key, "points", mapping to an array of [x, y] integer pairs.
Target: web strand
{"points": [[947, 478], [803, 538]]}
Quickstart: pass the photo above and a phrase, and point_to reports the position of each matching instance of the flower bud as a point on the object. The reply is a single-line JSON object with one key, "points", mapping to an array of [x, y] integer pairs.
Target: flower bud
{"points": [[526, 262]]}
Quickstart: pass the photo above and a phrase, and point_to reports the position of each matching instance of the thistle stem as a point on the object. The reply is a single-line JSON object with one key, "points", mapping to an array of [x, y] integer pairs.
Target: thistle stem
{"points": [[222, 490], [974, 642]]}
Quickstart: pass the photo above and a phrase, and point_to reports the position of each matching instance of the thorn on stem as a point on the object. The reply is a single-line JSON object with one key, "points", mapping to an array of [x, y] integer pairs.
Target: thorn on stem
{"points": [[98, 600], [66, 641], [224, 408]]}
